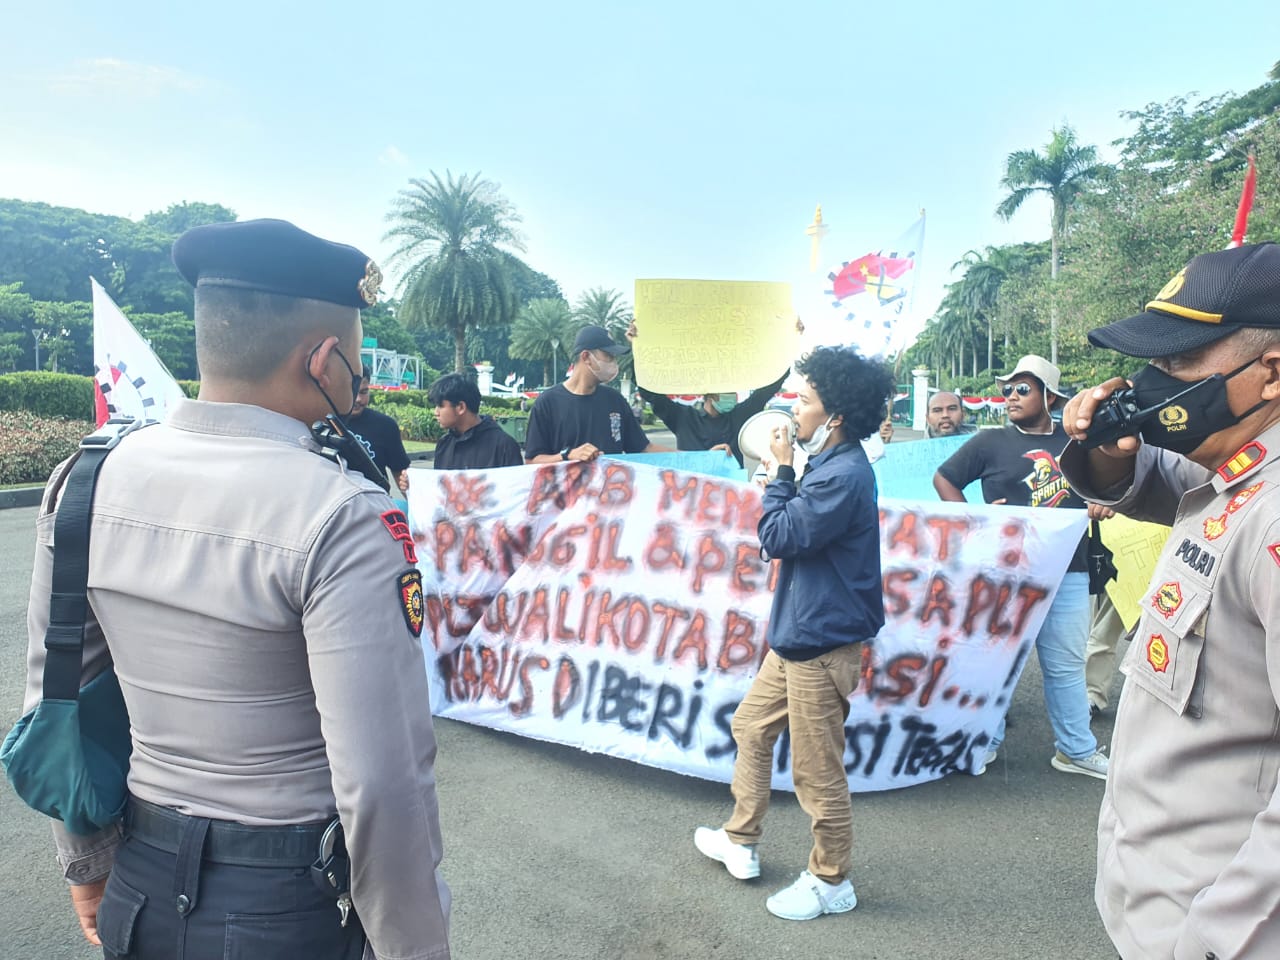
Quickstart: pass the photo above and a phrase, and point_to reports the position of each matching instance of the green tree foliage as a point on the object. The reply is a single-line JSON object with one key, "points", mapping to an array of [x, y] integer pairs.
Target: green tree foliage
{"points": [[455, 238]]}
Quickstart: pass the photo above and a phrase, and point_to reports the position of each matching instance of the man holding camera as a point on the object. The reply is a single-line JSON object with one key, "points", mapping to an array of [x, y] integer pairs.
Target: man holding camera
{"points": [[1189, 832]]}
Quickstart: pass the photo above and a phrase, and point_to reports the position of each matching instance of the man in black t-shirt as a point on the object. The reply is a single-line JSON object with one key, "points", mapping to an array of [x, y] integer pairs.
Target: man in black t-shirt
{"points": [[1018, 466], [380, 434], [472, 441], [582, 418]]}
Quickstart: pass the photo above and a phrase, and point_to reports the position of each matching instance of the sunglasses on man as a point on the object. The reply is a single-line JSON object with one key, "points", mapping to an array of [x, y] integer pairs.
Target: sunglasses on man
{"points": [[1022, 389]]}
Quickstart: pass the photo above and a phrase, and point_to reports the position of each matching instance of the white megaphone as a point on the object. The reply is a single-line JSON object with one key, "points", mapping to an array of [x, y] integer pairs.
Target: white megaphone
{"points": [[754, 438]]}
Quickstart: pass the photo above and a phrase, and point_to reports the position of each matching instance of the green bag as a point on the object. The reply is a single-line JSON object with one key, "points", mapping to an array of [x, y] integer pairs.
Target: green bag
{"points": [[69, 757]]}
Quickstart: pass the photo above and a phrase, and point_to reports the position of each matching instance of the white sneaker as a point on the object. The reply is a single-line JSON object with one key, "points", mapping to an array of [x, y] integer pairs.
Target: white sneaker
{"points": [[740, 859], [1091, 766], [989, 759], [810, 897]]}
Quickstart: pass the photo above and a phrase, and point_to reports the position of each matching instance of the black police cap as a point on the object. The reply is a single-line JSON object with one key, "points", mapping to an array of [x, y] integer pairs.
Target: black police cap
{"points": [[274, 256], [1210, 298]]}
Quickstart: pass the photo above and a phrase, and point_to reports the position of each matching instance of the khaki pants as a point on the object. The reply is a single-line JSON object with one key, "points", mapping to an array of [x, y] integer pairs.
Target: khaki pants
{"points": [[1100, 654], [812, 698]]}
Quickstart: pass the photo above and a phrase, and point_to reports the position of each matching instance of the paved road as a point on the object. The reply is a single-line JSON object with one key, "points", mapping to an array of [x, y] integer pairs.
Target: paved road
{"points": [[553, 853]]}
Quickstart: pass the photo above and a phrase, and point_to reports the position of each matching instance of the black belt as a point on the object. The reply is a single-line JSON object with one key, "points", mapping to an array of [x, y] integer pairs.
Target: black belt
{"points": [[235, 844]]}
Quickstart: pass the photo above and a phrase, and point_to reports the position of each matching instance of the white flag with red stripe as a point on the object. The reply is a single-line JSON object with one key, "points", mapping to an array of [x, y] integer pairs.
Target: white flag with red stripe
{"points": [[129, 379]]}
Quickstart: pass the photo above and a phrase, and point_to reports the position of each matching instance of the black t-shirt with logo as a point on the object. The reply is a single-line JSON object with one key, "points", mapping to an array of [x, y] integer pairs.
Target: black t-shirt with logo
{"points": [[381, 435], [1022, 469], [561, 418]]}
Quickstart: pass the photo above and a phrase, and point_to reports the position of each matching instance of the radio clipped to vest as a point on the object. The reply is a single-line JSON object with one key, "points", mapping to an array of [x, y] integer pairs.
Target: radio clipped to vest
{"points": [[332, 434]]}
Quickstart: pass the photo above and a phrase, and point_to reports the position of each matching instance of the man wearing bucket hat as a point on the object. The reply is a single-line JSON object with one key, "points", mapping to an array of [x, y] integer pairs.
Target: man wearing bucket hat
{"points": [[1189, 832], [1018, 466]]}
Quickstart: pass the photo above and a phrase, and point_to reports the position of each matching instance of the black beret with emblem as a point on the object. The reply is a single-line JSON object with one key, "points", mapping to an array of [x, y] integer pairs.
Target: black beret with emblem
{"points": [[1212, 297], [274, 256]]}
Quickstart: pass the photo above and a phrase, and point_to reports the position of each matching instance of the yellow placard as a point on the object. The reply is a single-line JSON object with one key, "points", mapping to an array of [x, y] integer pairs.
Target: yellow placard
{"points": [[1136, 547], [712, 336]]}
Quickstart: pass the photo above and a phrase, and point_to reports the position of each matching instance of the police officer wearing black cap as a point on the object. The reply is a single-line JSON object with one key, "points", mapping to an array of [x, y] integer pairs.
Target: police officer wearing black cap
{"points": [[582, 418], [1189, 832], [266, 639]]}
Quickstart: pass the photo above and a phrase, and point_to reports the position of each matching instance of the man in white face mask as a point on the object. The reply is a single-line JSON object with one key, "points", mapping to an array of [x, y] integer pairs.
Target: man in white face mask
{"points": [[582, 418]]}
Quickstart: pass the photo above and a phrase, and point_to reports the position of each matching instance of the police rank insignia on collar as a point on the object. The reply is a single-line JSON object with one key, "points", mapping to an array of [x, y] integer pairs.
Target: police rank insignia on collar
{"points": [[412, 604], [1244, 460], [369, 283]]}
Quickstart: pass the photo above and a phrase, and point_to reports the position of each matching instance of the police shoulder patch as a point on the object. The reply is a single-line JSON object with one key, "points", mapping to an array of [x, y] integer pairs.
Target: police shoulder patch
{"points": [[412, 604], [1274, 550]]}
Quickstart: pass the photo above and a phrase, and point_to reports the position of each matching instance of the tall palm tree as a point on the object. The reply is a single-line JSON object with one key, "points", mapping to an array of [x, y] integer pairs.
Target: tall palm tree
{"points": [[544, 331], [1064, 171], [454, 240]]}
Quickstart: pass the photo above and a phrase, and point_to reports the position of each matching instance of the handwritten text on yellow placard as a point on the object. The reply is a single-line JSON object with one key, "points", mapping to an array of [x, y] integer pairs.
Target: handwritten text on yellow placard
{"points": [[1136, 547], [712, 336]]}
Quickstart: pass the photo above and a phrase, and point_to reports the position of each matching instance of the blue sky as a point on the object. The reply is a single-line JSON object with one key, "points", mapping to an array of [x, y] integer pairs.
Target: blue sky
{"points": [[636, 140]]}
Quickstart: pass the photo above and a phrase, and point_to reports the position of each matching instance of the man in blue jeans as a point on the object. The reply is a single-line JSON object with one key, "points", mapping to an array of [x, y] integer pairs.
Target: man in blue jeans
{"points": [[1018, 466]]}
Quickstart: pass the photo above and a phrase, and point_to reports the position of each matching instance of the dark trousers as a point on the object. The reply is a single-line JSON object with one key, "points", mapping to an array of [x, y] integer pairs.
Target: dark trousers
{"points": [[182, 904]]}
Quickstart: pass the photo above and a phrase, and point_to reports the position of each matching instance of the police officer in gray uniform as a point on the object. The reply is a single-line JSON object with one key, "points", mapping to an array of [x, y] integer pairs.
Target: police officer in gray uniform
{"points": [[1189, 832], [262, 607]]}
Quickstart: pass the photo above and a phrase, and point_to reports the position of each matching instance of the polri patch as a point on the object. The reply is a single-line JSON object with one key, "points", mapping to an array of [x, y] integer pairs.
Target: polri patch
{"points": [[1167, 599], [411, 600], [1274, 550], [397, 525], [1244, 460], [1197, 556], [1158, 653]]}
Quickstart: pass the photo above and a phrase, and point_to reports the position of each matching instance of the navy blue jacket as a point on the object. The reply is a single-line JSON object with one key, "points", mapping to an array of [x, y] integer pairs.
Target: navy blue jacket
{"points": [[826, 532]]}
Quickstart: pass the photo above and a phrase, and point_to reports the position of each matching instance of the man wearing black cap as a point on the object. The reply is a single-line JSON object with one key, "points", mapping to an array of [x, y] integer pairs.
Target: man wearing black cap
{"points": [[582, 418], [265, 635], [1189, 832]]}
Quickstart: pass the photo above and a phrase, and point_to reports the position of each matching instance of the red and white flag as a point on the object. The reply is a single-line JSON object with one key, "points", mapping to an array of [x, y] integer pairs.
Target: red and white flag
{"points": [[129, 379]]}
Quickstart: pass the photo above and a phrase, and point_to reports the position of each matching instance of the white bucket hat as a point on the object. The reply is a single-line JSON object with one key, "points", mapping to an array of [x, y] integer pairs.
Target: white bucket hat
{"points": [[1041, 369]]}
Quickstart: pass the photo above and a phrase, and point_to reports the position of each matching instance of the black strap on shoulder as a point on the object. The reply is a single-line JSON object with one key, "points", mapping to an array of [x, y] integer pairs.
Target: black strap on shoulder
{"points": [[68, 598]]}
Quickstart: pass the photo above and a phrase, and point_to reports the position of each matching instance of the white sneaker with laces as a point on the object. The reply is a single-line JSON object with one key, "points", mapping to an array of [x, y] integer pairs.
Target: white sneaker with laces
{"points": [[1091, 766], [810, 897], [740, 859], [987, 761]]}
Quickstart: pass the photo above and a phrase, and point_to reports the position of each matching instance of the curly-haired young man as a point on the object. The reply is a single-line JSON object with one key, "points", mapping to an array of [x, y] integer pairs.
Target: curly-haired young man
{"points": [[825, 532]]}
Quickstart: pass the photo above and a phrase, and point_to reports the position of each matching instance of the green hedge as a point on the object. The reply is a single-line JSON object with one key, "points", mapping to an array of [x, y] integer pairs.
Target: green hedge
{"points": [[31, 446], [48, 394]]}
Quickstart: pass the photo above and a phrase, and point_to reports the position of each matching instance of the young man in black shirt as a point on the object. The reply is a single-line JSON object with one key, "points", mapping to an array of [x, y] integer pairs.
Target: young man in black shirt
{"points": [[1018, 466], [472, 441], [380, 434], [582, 418]]}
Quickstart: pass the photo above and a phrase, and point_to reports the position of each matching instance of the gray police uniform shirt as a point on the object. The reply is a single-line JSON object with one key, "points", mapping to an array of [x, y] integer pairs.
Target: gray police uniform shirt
{"points": [[251, 594], [1189, 832]]}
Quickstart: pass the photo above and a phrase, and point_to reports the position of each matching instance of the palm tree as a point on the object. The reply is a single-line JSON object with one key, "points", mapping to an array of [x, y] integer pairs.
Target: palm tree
{"points": [[455, 238], [544, 328], [1064, 171], [979, 288]]}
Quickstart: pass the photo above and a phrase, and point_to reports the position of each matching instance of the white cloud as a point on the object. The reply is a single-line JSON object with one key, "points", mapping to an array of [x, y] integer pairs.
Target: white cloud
{"points": [[393, 156], [124, 77]]}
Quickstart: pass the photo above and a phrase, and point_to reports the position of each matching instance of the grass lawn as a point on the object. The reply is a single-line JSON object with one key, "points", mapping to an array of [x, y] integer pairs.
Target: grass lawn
{"points": [[418, 446]]}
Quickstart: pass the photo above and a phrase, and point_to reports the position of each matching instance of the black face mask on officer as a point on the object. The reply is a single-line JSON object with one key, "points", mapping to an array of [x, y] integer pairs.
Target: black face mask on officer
{"points": [[1191, 412], [356, 378]]}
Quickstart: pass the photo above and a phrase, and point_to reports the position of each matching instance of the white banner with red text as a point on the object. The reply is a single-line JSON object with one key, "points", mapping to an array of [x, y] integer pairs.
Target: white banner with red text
{"points": [[623, 609]]}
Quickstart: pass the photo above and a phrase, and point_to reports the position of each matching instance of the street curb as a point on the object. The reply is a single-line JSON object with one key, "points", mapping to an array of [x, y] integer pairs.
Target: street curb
{"points": [[21, 497]]}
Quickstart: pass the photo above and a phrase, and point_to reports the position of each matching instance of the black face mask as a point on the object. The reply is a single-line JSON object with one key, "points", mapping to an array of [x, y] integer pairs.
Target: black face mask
{"points": [[1191, 412], [356, 380]]}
